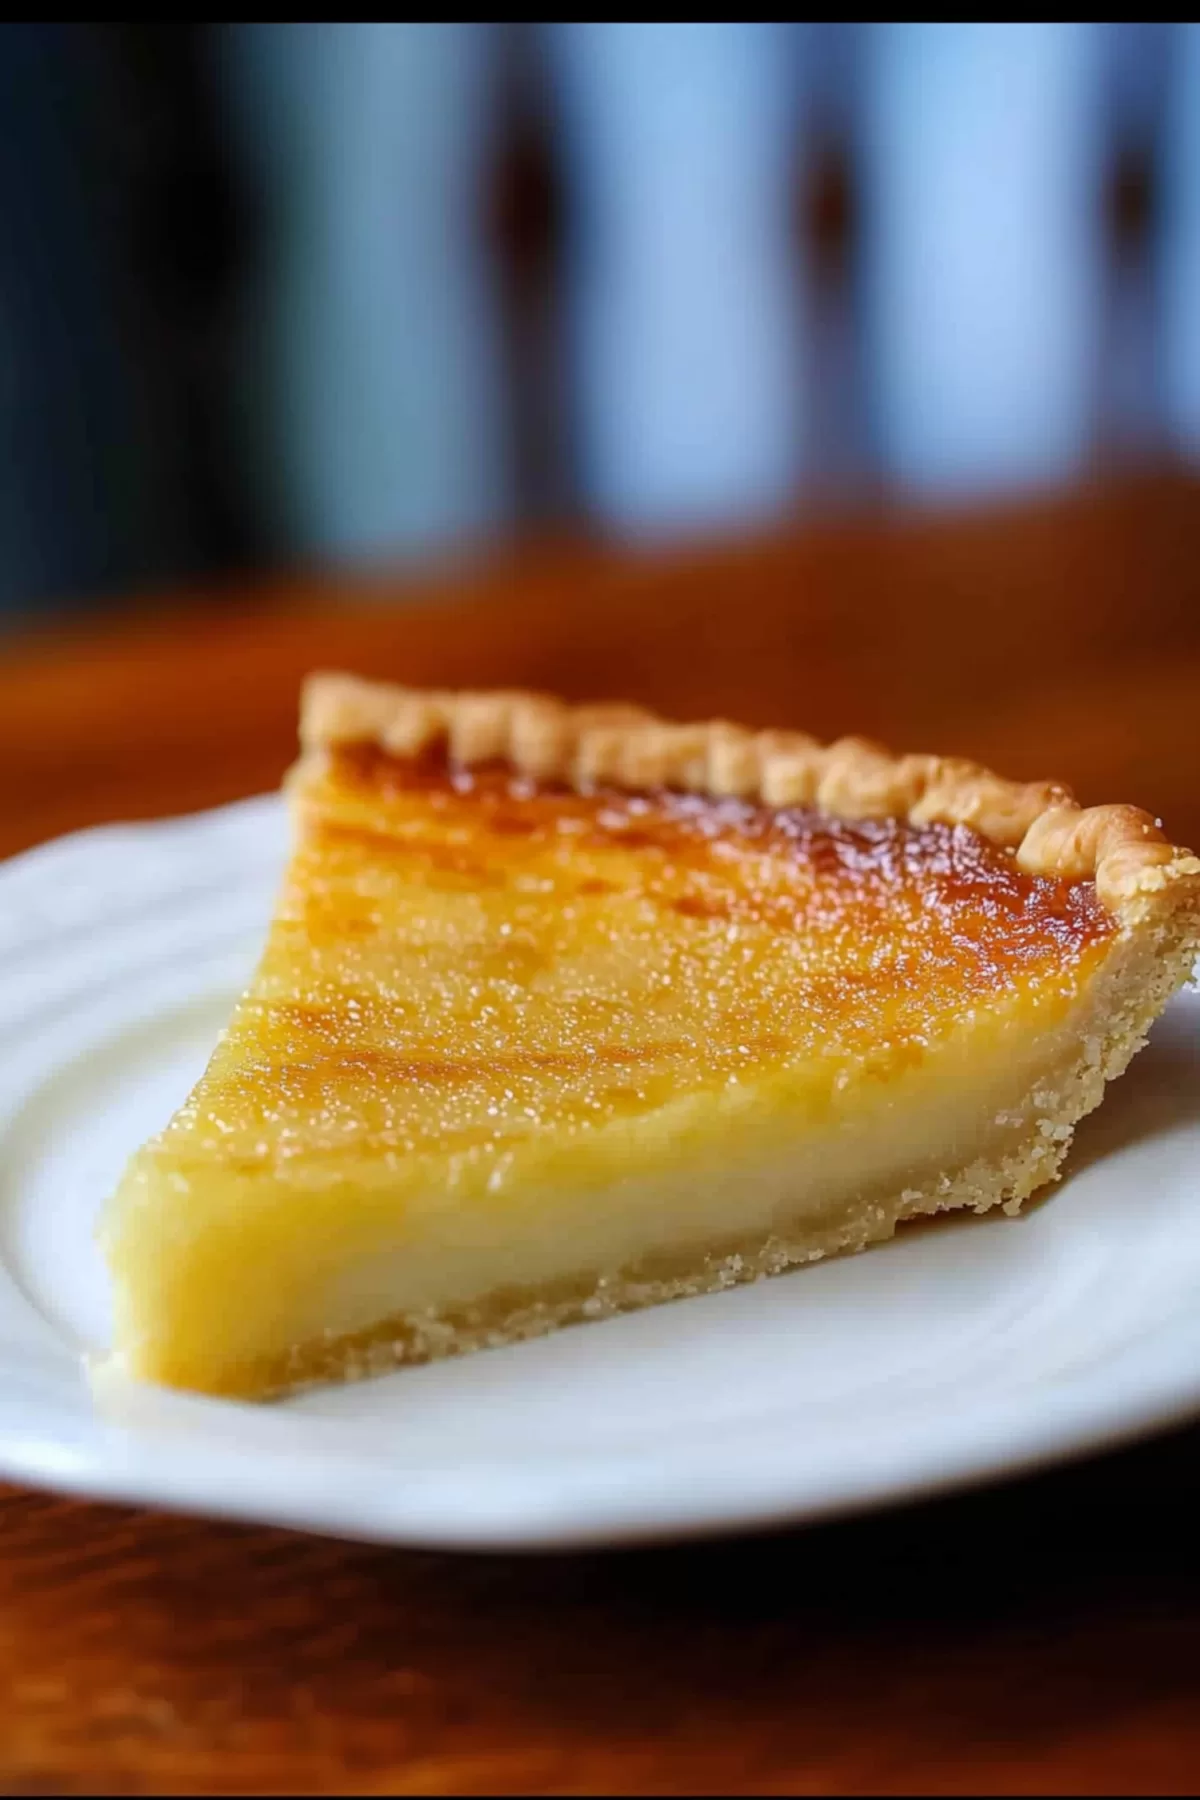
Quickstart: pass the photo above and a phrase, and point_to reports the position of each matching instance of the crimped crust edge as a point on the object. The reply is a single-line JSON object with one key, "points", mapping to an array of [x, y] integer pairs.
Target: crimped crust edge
{"points": [[1136, 869]]}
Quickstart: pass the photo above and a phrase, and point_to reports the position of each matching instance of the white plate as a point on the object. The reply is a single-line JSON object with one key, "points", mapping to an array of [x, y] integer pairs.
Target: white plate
{"points": [[969, 1349]]}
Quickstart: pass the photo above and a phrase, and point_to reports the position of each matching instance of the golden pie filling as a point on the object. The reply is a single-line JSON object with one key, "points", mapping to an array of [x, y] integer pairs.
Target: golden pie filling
{"points": [[509, 1039], [483, 960], [465, 964]]}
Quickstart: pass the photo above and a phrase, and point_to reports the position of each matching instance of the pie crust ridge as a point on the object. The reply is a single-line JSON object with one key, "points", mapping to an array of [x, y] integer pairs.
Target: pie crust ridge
{"points": [[1137, 871]]}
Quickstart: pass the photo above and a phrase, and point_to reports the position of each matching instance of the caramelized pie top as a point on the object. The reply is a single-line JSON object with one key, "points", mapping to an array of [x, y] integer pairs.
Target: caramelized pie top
{"points": [[473, 956]]}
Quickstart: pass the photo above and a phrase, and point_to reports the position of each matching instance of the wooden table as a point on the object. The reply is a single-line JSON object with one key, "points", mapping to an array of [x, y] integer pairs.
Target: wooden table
{"points": [[1040, 1636]]}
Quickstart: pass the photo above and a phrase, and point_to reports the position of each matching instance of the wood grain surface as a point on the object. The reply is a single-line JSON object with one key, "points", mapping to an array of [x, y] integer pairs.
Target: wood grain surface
{"points": [[1041, 1636]]}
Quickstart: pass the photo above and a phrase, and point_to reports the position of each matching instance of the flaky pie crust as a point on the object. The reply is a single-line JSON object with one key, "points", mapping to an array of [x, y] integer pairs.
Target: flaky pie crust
{"points": [[1138, 873]]}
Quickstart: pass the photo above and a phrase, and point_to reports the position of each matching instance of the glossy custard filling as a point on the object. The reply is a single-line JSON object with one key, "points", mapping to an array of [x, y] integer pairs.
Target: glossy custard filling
{"points": [[475, 958]]}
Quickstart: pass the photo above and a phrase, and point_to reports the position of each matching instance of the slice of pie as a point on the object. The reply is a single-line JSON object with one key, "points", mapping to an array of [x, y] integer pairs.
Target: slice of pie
{"points": [[570, 1010]]}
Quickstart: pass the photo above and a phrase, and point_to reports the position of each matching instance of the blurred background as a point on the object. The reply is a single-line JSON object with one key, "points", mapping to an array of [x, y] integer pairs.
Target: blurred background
{"points": [[328, 295]]}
